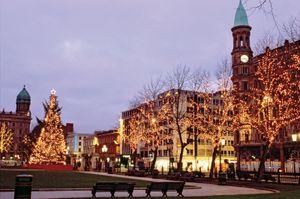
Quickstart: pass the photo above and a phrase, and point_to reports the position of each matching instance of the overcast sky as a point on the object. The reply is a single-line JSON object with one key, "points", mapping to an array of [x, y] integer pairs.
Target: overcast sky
{"points": [[98, 54]]}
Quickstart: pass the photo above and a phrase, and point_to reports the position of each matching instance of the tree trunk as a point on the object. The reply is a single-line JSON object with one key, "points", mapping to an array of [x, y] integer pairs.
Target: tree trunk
{"points": [[282, 159], [154, 159], [134, 159], [261, 169], [212, 167], [179, 166]]}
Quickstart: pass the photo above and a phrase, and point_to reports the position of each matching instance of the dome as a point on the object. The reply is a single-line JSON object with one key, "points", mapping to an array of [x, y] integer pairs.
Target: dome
{"points": [[241, 18], [23, 96]]}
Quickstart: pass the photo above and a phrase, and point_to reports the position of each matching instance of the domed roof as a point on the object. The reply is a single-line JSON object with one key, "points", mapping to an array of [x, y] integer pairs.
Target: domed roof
{"points": [[23, 96], [241, 18]]}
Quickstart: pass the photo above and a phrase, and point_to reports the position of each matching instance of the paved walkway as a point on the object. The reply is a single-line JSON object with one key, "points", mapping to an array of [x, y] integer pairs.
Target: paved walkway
{"points": [[195, 189]]}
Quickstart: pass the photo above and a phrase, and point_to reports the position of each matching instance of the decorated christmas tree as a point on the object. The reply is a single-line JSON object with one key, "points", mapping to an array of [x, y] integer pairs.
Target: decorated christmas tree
{"points": [[50, 147]]}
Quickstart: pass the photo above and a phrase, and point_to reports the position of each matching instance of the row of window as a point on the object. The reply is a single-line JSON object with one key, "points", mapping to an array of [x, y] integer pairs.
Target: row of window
{"points": [[189, 152]]}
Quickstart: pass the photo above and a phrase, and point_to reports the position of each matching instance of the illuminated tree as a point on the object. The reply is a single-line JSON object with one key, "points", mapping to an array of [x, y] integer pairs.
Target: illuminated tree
{"points": [[134, 132], [6, 137], [275, 102], [145, 127], [50, 147], [178, 116], [155, 114], [27, 146], [213, 110], [156, 132]]}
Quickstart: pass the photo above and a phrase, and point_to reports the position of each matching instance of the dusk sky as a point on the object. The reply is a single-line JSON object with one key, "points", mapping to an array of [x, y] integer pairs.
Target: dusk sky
{"points": [[98, 54]]}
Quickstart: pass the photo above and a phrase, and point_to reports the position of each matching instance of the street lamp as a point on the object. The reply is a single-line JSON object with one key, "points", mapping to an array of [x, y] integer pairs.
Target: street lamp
{"points": [[294, 137], [293, 154], [104, 149], [222, 143]]}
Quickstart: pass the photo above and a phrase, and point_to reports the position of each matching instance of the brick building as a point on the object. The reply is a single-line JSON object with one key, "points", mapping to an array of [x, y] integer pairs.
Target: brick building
{"points": [[108, 148], [19, 123], [248, 142]]}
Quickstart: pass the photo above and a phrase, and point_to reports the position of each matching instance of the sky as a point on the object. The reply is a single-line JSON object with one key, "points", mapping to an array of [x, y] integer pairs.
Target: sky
{"points": [[98, 54]]}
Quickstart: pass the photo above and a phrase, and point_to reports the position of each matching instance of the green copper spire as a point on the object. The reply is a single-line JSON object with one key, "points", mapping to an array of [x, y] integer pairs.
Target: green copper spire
{"points": [[241, 18], [23, 96]]}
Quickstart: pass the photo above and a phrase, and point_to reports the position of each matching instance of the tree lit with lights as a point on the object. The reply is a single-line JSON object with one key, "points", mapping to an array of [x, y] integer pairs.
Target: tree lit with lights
{"points": [[274, 103], [6, 137], [50, 147]]}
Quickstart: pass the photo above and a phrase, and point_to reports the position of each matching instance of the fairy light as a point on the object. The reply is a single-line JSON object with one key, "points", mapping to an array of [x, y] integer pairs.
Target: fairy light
{"points": [[50, 147]]}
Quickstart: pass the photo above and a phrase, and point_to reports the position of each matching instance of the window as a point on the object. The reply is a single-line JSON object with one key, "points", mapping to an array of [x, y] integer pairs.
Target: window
{"points": [[245, 70], [79, 137], [201, 100], [245, 86], [241, 42], [190, 109], [165, 152], [79, 143], [159, 152], [189, 151]]}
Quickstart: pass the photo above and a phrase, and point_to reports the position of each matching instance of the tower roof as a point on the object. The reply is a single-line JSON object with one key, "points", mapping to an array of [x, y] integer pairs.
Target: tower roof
{"points": [[241, 18], [23, 96]]}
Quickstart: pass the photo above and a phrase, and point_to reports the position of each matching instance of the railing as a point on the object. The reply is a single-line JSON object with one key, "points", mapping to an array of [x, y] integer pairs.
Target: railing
{"points": [[275, 177]]}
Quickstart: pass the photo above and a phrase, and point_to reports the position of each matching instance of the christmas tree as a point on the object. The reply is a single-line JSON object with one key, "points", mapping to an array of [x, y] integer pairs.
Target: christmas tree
{"points": [[50, 147]]}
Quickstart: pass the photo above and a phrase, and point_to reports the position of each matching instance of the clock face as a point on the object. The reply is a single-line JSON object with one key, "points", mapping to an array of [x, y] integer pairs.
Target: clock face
{"points": [[244, 58]]}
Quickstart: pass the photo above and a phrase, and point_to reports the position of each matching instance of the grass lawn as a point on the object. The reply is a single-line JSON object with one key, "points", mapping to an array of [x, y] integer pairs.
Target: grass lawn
{"points": [[57, 179]]}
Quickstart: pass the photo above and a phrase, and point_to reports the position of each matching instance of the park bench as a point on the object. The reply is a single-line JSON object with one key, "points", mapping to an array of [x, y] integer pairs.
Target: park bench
{"points": [[164, 187], [268, 177], [244, 175], [112, 187], [187, 177], [174, 176]]}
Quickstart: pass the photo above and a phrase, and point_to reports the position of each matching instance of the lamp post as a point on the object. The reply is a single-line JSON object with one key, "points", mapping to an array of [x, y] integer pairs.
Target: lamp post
{"points": [[222, 143], [294, 139], [104, 150]]}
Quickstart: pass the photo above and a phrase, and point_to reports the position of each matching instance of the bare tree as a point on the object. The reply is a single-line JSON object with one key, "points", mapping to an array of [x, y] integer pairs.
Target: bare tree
{"points": [[288, 31], [177, 83], [291, 29], [155, 113], [213, 113]]}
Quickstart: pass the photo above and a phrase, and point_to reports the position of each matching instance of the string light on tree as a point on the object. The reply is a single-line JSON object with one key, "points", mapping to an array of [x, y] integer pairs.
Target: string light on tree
{"points": [[50, 147], [6, 137]]}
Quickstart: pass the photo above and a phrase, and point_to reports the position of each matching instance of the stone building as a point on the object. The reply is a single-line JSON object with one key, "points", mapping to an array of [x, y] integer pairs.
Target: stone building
{"points": [[19, 123], [197, 155]]}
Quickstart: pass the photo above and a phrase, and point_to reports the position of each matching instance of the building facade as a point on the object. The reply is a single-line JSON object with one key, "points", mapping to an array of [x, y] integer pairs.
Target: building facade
{"points": [[248, 142], [89, 155], [19, 123], [196, 155], [75, 146], [108, 149]]}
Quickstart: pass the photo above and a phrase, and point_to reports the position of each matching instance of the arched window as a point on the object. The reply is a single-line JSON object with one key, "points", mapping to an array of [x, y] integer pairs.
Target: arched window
{"points": [[241, 42]]}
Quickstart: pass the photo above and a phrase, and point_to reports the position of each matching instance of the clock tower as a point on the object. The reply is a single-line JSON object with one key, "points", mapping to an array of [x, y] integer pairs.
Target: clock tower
{"points": [[242, 55]]}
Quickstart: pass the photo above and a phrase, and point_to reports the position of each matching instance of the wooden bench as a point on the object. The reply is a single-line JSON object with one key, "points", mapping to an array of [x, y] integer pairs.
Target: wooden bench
{"points": [[164, 187], [112, 187], [187, 177]]}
